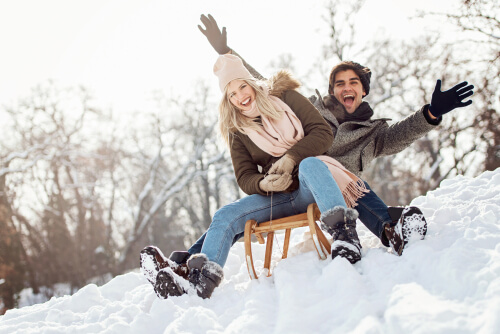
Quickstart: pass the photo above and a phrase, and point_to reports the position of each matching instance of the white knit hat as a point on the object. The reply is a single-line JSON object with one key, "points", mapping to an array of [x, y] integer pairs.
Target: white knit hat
{"points": [[229, 67]]}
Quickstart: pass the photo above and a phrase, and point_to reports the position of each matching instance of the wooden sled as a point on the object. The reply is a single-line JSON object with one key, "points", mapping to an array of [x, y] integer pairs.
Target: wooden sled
{"points": [[287, 223]]}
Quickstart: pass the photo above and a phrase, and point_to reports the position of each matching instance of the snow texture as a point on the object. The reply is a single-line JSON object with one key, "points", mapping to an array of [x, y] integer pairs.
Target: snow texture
{"points": [[447, 283]]}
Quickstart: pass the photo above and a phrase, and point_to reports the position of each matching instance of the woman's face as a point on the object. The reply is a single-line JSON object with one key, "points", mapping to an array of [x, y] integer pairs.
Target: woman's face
{"points": [[241, 95]]}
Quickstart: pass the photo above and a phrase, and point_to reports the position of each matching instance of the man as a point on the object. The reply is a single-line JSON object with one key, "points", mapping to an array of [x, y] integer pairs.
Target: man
{"points": [[359, 139]]}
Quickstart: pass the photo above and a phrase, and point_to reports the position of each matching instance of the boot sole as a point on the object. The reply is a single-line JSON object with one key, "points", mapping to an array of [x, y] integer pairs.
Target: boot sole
{"points": [[346, 250], [167, 285], [414, 225], [149, 263]]}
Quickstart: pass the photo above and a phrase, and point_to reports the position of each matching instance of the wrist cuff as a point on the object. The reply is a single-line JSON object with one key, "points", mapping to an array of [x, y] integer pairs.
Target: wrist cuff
{"points": [[426, 110]]}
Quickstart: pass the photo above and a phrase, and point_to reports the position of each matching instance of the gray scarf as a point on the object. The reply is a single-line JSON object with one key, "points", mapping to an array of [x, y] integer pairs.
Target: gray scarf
{"points": [[363, 113]]}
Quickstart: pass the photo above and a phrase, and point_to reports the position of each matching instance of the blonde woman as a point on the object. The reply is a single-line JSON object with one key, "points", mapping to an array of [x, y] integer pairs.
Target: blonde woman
{"points": [[276, 138]]}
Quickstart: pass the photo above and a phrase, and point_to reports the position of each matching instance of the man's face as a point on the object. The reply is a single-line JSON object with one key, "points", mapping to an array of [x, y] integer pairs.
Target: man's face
{"points": [[348, 90]]}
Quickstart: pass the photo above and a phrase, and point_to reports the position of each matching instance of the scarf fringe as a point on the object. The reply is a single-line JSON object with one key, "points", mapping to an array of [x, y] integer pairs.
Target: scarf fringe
{"points": [[354, 191]]}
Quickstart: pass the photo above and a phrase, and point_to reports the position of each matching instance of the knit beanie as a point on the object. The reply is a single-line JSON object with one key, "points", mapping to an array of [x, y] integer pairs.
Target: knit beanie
{"points": [[229, 67], [365, 78]]}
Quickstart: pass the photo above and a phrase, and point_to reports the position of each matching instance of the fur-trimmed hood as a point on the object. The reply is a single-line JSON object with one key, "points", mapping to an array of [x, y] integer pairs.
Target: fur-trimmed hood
{"points": [[281, 82]]}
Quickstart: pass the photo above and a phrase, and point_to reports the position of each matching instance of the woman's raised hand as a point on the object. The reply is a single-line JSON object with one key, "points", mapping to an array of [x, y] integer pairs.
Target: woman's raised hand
{"points": [[217, 39]]}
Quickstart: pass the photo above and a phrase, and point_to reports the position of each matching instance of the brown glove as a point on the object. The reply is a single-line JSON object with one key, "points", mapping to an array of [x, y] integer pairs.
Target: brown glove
{"points": [[216, 37], [284, 165], [275, 182]]}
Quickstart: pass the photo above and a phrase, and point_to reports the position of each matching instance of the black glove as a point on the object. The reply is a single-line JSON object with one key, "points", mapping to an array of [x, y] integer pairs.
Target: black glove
{"points": [[213, 34], [443, 102]]}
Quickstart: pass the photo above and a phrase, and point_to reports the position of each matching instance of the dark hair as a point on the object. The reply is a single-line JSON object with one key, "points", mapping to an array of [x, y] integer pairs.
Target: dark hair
{"points": [[361, 71]]}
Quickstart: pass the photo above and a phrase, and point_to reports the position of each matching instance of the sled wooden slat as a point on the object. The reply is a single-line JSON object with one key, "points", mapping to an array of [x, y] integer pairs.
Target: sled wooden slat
{"points": [[287, 223]]}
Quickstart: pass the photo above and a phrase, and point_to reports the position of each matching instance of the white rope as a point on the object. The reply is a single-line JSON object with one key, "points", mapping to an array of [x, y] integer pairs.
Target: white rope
{"points": [[271, 224]]}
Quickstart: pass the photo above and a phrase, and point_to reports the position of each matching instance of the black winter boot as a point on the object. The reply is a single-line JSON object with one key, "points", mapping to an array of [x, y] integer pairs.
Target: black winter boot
{"points": [[408, 223], [152, 261], [340, 222], [204, 276]]}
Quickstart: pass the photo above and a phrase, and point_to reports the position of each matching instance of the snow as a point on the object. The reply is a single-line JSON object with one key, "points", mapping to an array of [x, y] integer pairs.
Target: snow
{"points": [[447, 283]]}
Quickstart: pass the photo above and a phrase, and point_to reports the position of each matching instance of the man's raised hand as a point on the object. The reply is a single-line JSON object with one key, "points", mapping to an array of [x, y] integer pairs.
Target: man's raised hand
{"points": [[443, 102]]}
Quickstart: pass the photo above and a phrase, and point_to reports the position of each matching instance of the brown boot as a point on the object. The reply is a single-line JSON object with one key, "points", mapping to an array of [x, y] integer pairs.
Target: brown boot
{"points": [[152, 261], [204, 277]]}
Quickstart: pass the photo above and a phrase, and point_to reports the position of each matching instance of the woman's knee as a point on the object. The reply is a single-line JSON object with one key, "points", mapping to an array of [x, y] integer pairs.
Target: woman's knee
{"points": [[225, 219], [310, 163]]}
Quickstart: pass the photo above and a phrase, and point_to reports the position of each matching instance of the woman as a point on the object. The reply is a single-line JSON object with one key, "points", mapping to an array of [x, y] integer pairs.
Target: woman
{"points": [[275, 136]]}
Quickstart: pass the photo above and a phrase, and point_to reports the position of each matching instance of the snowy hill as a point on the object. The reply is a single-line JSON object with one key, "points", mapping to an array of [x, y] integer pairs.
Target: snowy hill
{"points": [[447, 283]]}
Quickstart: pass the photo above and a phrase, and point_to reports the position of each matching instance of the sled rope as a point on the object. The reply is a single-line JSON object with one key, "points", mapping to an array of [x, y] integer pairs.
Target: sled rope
{"points": [[271, 224]]}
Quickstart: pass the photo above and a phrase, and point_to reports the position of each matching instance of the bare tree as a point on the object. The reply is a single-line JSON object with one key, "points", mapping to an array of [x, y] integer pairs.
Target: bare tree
{"points": [[404, 74], [52, 167], [181, 169]]}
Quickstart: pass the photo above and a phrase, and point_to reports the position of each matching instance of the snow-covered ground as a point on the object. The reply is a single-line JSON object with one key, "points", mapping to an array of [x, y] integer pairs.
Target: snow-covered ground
{"points": [[447, 283]]}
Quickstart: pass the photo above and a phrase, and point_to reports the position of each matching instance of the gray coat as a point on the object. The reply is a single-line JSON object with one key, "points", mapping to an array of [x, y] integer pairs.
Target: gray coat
{"points": [[356, 144]]}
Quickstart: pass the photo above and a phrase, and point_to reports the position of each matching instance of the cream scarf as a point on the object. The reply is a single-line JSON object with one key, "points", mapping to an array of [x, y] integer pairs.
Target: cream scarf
{"points": [[276, 137]]}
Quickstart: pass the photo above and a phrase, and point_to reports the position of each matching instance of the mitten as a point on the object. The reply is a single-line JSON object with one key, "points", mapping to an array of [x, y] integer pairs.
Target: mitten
{"points": [[275, 182], [284, 165]]}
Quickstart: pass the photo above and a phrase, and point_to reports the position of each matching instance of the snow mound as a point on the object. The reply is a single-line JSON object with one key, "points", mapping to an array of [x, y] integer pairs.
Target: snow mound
{"points": [[447, 283]]}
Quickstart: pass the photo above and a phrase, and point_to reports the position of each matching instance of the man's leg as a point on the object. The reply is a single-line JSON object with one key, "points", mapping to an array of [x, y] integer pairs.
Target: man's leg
{"points": [[373, 214]]}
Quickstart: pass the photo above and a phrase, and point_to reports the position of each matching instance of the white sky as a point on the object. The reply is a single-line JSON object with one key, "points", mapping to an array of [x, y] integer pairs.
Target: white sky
{"points": [[124, 49]]}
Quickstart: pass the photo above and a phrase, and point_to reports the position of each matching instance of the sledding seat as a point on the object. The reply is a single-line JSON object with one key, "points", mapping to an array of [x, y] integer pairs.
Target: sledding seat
{"points": [[287, 223]]}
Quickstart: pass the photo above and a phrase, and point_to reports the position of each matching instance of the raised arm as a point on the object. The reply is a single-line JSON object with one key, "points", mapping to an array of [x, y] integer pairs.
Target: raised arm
{"points": [[218, 40]]}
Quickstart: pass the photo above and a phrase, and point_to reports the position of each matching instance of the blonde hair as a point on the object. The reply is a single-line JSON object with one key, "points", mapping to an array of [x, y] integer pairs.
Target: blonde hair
{"points": [[231, 120]]}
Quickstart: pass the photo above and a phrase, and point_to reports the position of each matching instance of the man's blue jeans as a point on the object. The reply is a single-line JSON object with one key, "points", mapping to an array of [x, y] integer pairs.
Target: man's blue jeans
{"points": [[316, 185], [373, 214]]}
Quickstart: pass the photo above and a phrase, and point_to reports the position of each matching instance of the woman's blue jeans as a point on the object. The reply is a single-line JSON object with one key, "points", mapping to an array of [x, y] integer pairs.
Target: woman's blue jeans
{"points": [[316, 185], [372, 213]]}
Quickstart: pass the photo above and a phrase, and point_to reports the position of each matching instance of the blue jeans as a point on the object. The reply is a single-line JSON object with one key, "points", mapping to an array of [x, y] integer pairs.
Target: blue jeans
{"points": [[316, 185], [373, 214]]}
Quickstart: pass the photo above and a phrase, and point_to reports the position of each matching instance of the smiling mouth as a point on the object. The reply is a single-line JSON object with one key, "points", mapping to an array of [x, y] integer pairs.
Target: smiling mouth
{"points": [[348, 100], [245, 102]]}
